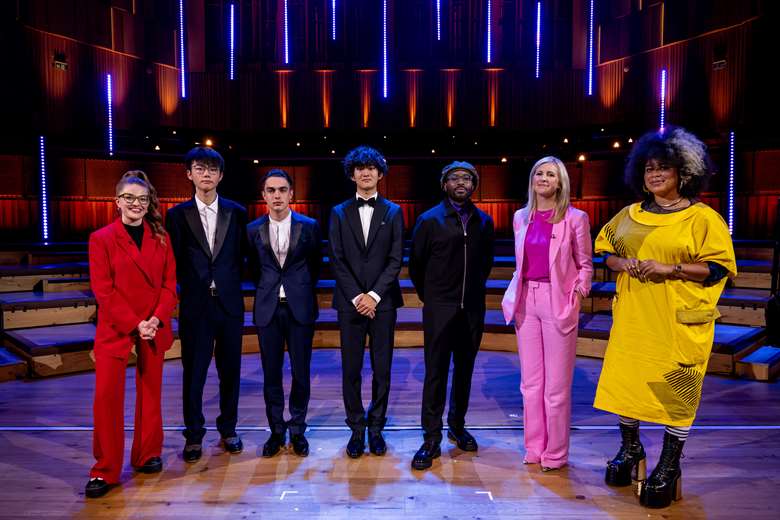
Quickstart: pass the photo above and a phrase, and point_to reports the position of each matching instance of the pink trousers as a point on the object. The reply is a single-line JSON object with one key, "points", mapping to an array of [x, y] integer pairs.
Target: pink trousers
{"points": [[546, 369]]}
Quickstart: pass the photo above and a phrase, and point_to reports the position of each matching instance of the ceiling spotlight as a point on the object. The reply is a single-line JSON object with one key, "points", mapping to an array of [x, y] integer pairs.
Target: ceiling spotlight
{"points": [[173, 132], [433, 150], [616, 144], [256, 161], [209, 142], [384, 137], [566, 140], [503, 159], [630, 140], [324, 137], [157, 148], [333, 152], [475, 143], [298, 144], [602, 129], [197, 143], [581, 157]]}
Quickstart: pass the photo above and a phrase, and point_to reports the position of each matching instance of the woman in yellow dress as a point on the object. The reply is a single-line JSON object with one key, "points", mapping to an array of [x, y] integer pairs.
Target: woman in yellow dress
{"points": [[673, 254]]}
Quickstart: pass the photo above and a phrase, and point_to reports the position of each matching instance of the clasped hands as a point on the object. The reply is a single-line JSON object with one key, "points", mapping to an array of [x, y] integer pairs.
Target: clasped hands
{"points": [[148, 328], [647, 270], [366, 305]]}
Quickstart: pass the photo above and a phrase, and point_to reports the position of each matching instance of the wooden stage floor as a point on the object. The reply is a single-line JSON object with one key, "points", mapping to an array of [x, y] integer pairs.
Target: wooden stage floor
{"points": [[731, 468]]}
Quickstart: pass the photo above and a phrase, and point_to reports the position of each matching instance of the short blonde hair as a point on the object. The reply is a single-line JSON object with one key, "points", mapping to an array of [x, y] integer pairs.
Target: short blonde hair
{"points": [[562, 196]]}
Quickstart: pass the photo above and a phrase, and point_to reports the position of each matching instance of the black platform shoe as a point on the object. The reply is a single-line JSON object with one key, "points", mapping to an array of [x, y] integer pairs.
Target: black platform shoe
{"points": [[629, 464], [665, 483]]}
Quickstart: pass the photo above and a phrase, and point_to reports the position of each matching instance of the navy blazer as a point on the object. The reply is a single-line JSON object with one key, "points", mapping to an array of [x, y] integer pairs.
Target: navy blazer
{"points": [[299, 274], [360, 266], [197, 266]]}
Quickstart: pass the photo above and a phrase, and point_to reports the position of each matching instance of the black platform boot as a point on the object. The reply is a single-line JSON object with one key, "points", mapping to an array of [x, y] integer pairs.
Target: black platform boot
{"points": [[629, 464], [665, 483]]}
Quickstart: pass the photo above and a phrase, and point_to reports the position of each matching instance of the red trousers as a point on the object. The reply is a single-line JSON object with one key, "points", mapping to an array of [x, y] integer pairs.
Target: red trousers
{"points": [[108, 442]]}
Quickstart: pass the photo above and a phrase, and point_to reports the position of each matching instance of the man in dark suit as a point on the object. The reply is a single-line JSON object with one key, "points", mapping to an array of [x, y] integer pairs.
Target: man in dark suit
{"points": [[208, 234], [285, 255], [366, 251], [449, 262]]}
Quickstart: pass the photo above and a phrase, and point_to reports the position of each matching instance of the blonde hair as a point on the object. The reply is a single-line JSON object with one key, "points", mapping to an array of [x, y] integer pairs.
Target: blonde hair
{"points": [[153, 216], [562, 201]]}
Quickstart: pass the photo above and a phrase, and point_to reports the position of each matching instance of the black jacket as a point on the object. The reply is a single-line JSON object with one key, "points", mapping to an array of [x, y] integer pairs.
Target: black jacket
{"points": [[359, 267], [448, 264], [197, 266]]}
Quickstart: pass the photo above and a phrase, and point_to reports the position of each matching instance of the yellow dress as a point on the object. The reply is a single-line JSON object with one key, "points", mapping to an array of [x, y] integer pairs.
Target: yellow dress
{"points": [[662, 333]]}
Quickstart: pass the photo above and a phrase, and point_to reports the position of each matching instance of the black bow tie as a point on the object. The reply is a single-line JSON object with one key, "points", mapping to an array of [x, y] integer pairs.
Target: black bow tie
{"points": [[361, 202]]}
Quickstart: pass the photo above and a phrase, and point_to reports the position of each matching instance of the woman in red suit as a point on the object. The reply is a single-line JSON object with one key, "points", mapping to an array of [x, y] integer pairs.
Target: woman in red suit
{"points": [[133, 275]]}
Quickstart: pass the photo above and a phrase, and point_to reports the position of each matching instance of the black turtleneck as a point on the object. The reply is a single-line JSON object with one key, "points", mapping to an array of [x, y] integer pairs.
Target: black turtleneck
{"points": [[136, 233]]}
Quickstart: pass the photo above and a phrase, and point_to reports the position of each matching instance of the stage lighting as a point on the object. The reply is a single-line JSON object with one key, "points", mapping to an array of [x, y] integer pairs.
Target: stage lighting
{"points": [[44, 190], [581, 157], [109, 115]]}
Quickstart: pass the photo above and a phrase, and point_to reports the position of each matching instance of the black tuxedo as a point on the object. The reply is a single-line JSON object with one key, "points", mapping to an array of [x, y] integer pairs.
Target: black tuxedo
{"points": [[290, 322], [209, 317], [361, 266]]}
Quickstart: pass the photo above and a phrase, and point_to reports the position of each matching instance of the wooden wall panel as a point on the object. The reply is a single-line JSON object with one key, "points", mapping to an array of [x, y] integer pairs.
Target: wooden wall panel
{"points": [[12, 175]]}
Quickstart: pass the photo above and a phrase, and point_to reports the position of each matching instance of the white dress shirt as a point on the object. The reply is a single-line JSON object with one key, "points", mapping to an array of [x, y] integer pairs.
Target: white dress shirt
{"points": [[366, 212], [279, 233], [208, 219]]}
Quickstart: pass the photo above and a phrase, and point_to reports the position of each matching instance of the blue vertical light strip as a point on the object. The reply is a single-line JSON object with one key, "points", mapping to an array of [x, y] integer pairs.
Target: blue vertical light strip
{"points": [[181, 51], [384, 49], [538, 36], [286, 37], [110, 114], [232, 43], [590, 47], [438, 20], [731, 183], [662, 112], [333, 20], [489, 31], [44, 191]]}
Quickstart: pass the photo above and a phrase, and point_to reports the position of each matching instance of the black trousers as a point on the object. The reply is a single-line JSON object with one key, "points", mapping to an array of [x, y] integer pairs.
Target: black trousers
{"points": [[215, 334], [283, 328], [450, 333], [380, 330]]}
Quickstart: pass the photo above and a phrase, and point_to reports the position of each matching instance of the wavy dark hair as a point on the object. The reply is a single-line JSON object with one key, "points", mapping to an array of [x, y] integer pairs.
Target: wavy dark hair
{"points": [[363, 156], [153, 216], [675, 147]]}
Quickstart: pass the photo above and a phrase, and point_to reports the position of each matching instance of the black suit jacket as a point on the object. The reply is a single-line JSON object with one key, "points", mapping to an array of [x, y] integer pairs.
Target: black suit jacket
{"points": [[299, 274], [360, 266], [197, 266]]}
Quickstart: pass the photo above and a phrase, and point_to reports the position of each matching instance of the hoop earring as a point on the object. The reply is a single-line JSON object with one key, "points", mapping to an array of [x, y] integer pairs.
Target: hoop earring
{"points": [[644, 188]]}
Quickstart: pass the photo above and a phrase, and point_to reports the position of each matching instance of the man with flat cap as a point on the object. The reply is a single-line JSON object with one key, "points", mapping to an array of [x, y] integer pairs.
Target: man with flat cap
{"points": [[449, 262]]}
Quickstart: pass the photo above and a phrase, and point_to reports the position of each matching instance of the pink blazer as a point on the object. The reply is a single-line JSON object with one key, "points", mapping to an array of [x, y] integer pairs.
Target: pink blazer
{"points": [[571, 266]]}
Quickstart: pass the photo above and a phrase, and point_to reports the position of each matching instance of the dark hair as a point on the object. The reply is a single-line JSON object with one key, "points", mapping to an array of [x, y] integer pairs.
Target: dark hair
{"points": [[362, 157], [276, 172], [153, 216], [205, 155], [674, 147]]}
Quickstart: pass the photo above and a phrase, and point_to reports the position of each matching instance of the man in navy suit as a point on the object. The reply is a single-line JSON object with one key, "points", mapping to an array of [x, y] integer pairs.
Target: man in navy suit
{"points": [[209, 242], [366, 251], [285, 255]]}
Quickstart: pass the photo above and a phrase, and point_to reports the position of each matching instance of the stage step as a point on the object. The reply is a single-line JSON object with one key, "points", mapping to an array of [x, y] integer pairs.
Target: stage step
{"points": [[76, 283], [24, 278], [33, 309], [48, 257], [762, 365], [11, 365]]}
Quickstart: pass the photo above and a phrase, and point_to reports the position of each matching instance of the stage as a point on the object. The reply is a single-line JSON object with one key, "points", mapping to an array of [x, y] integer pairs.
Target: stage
{"points": [[730, 469]]}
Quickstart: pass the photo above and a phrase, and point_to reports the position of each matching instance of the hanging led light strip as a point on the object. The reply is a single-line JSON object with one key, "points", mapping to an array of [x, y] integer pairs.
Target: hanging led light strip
{"points": [[731, 183], [109, 115], [384, 49], [333, 20], [44, 191], [662, 111], [286, 37], [232, 43], [489, 31], [182, 71], [438, 20], [590, 47], [538, 36]]}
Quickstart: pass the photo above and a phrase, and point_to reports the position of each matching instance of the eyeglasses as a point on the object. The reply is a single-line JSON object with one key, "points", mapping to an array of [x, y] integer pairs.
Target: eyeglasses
{"points": [[130, 199], [465, 178], [200, 170]]}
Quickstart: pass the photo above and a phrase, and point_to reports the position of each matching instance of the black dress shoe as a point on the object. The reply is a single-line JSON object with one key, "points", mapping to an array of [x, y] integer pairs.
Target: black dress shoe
{"points": [[356, 444], [96, 488], [423, 459], [192, 452], [273, 444], [462, 438], [376, 443], [299, 444], [153, 465], [233, 445]]}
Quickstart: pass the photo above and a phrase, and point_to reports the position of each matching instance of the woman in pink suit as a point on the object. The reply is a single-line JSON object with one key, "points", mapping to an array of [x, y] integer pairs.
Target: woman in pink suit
{"points": [[133, 275], [554, 269]]}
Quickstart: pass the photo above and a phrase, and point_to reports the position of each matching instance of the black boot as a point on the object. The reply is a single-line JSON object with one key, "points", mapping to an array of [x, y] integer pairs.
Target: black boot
{"points": [[629, 463], [665, 483]]}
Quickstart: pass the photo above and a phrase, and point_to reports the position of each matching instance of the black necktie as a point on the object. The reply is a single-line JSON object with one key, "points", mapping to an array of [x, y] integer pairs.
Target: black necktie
{"points": [[361, 201]]}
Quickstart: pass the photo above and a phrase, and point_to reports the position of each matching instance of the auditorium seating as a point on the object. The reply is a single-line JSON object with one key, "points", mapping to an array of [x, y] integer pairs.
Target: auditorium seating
{"points": [[48, 313]]}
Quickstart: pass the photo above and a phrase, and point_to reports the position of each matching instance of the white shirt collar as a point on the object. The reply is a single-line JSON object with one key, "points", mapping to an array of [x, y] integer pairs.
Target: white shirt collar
{"points": [[374, 196], [214, 206], [284, 222]]}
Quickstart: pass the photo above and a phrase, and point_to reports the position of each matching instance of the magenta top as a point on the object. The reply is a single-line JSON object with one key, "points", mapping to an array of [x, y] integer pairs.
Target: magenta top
{"points": [[536, 253]]}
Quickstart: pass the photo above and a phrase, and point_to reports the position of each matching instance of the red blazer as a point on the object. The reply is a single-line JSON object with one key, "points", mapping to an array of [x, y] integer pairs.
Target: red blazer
{"points": [[131, 286]]}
